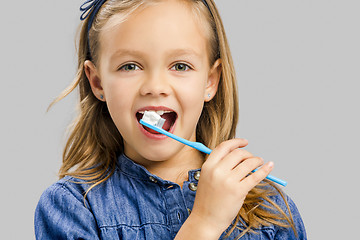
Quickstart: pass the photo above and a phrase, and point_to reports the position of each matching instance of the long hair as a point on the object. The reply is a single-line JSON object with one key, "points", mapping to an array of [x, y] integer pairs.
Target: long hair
{"points": [[94, 141]]}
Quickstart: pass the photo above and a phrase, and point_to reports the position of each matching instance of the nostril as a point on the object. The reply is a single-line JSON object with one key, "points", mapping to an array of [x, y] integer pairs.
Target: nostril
{"points": [[155, 86]]}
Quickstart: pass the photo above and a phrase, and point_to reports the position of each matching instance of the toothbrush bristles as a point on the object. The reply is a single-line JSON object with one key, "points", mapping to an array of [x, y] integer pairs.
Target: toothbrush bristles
{"points": [[160, 123], [153, 118]]}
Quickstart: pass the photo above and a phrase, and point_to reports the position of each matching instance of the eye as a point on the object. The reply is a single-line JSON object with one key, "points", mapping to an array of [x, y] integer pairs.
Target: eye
{"points": [[129, 67], [181, 67]]}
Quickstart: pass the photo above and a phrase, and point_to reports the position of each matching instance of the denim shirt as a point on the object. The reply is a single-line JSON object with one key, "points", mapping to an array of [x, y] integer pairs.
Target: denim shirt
{"points": [[131, 204]]}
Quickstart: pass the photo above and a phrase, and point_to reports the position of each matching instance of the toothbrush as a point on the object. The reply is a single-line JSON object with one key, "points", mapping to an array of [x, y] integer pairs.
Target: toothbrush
{"points": [[155, 122]]}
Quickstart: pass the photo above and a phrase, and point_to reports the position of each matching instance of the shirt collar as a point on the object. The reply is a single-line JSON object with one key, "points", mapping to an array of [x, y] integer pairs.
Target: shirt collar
{"points": [[134, 170]]}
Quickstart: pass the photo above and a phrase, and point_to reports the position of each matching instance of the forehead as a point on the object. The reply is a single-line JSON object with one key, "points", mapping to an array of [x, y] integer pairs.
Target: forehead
{"points": [[163, 26]]}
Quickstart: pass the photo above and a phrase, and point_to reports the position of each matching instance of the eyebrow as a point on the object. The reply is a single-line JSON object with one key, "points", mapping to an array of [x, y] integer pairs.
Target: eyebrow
{"points": [[182, 52], [125, 52], [170, 53]]}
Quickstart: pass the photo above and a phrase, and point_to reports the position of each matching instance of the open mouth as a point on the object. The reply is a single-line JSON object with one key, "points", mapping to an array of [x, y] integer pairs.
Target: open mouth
{"points": [[169, 116]]}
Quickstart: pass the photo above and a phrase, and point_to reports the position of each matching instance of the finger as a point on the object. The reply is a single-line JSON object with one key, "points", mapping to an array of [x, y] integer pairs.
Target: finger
{"points": [[246, 166], [225, 148], [255, 178], [234, 158]]}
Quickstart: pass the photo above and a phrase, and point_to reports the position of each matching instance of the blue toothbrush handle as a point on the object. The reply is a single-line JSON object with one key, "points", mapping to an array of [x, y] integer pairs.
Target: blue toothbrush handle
{"points": [[276, 180], [202, 148], [199, 146]]}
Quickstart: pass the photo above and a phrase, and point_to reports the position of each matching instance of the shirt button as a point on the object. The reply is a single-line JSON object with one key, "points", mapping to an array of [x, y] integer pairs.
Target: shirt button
{"points": [[153, 179], [193, 187], [197, 175]]}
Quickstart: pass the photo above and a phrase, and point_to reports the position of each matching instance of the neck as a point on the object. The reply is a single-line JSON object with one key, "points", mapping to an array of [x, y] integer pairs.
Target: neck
{"points": [[176, 169]]}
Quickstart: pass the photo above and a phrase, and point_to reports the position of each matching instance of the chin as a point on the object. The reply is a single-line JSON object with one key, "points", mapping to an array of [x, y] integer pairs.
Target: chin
{"points": [[158, 154]]}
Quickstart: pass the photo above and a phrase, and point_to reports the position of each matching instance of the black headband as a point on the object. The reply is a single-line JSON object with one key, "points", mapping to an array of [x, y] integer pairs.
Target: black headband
{"points": [[91, 7]]}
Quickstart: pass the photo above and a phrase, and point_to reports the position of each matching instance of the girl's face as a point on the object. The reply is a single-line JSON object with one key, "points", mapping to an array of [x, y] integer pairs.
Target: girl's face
{"points": [[156, 60]]}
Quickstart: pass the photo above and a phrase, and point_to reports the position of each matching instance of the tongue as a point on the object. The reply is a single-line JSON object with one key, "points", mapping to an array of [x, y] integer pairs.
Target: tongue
{"points": [[151, 131], [169, 120]]}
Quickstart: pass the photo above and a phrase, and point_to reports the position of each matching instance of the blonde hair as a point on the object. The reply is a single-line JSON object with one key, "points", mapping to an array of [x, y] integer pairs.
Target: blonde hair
{"points": [[94, 142]]}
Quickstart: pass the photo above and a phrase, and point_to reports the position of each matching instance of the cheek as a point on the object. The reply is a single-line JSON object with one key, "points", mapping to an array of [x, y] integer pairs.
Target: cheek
{"points": [[118, 91], [194, 89], [192, 96], [119, 98]]}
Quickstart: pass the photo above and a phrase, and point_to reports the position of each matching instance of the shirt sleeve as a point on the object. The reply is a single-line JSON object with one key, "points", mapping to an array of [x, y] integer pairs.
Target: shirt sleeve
{"points": [[61, 214]]}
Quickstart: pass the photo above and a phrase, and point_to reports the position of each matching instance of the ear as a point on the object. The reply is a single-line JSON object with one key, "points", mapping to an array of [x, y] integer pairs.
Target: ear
{"points": [[94, 80], [213, 80]]}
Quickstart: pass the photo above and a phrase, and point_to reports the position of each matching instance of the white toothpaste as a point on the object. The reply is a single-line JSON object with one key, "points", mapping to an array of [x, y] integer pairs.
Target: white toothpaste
{"points": [[153, 118]]}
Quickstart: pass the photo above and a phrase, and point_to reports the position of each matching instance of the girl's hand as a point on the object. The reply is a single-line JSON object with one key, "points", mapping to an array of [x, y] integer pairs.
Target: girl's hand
{"points": [[225, 181]]}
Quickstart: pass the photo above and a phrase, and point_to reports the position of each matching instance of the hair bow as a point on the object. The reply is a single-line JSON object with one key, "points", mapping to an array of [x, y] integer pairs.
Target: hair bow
{"points": [[89, 7]]}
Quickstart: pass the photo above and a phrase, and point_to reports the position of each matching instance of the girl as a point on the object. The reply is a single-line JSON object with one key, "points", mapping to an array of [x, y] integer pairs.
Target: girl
{"points": [[120, 180]]}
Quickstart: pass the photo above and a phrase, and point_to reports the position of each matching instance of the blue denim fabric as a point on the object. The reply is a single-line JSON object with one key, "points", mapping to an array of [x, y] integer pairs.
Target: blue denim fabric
{"points": [[131, 204]]}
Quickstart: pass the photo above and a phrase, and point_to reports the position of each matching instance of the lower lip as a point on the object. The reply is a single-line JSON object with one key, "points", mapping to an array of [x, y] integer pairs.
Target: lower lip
{"points": [[156, 136]]}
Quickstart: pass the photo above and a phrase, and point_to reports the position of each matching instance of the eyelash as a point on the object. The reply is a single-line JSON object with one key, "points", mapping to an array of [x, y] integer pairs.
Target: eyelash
{"points": [[135, 67], [187, 67], [122, 68]]}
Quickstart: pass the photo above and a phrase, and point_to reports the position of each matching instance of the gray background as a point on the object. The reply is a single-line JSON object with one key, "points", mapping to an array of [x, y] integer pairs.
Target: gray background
{"points": [[297, 64]]}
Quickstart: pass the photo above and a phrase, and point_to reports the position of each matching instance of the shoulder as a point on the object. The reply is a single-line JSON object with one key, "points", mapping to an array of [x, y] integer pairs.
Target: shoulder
{"points": [[62, 197], [68, 189], [288, 206], [280, 198], [63, 212]]}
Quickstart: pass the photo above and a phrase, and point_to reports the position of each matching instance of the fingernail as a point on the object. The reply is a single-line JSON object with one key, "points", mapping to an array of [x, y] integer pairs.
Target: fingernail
{"points": [[270, 165]]}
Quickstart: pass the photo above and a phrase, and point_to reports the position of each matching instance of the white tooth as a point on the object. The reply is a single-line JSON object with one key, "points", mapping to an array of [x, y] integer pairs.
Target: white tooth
{"points": [[160, 112]]}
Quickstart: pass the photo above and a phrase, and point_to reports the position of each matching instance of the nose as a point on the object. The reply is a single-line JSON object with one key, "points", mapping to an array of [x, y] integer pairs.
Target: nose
{"points": [[156, 84]]}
